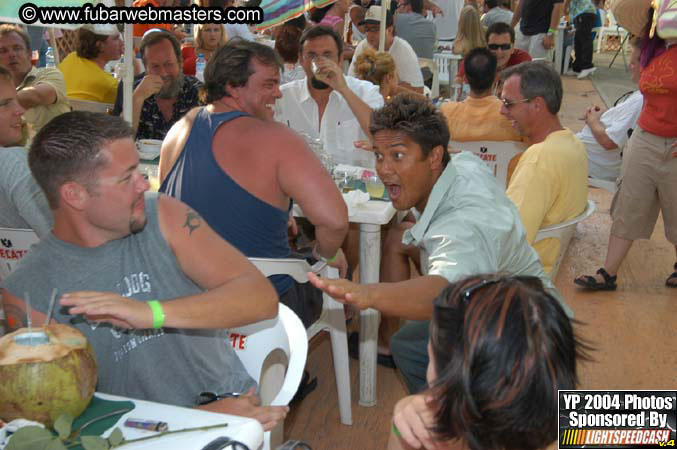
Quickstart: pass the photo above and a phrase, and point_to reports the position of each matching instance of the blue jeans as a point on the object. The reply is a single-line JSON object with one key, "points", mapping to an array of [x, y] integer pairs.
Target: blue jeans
{"points": [[410, 352]]}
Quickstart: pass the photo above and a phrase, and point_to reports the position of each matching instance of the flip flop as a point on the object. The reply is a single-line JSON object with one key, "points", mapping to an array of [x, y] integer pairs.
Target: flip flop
{"points": [[589, 282]]}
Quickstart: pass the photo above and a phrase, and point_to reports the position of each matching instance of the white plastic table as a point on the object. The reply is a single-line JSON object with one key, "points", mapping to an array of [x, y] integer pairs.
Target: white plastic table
{"points": [[370, 216], [242, 429]]}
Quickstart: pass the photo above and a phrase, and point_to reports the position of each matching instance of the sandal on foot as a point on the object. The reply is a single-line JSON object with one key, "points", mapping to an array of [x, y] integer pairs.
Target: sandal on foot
{"points": [[589, 282], [673, 276]]}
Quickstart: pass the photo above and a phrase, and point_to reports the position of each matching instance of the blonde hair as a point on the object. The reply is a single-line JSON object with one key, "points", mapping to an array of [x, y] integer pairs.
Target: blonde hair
{"points": [[198, 35], [470, 30], [373, 66]]}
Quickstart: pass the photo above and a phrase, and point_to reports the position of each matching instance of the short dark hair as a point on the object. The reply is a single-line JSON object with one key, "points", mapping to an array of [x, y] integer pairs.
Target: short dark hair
{"points": [[5, 29], [500, 28], [154, 37], [319, 31], [501, 347], [416, 6], [87, 43], [418, 119], [69, 148], [480, 69], [491, 3], [231, 66], [538, 79]]}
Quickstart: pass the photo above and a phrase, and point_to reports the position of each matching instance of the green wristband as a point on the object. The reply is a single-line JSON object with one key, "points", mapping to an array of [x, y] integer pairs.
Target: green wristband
{"points": [[158, 313], [319, 257], [552, 30], [396, 432], [332, 259]]}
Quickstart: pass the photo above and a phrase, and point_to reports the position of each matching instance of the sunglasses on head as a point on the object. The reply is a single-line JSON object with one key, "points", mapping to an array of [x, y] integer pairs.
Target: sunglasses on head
{"points": [[500, 46]]}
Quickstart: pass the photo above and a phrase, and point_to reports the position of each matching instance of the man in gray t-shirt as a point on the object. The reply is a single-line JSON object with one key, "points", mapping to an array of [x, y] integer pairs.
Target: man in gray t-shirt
{"points": [[411, 26], [22, 203], [142, 276]]}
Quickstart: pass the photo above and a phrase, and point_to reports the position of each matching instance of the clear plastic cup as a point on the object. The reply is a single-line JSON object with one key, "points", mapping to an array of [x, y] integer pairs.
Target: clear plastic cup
{"points": [[374, 185]]}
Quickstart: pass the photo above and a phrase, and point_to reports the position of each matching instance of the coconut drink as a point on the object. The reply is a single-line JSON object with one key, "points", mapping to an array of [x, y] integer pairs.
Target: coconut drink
{"points": [[45, 372]]}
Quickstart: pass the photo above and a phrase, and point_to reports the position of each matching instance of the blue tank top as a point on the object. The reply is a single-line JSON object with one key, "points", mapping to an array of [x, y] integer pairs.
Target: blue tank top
{"points": [[251, 225]]}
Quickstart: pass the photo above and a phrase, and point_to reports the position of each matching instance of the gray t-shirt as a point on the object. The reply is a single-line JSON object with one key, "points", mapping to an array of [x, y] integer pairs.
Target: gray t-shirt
{"points": [[22, 202], [168, 365], [418, 31]]}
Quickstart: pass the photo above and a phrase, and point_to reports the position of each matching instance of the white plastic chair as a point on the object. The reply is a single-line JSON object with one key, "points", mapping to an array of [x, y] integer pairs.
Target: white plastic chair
{"points": [[87, 105], [14, 243], [613, 29], [332, 319], [259, 345], [447, 66], [432, 65], [497, 155], [564, 232]]}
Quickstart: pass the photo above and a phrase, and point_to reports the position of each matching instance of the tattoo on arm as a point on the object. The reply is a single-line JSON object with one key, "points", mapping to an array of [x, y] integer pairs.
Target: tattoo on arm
{"points": [[193, 221], [16, 317]]}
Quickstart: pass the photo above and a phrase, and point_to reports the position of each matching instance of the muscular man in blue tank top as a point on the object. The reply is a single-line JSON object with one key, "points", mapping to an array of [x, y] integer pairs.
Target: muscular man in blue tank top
{"points": [[239, 169]]}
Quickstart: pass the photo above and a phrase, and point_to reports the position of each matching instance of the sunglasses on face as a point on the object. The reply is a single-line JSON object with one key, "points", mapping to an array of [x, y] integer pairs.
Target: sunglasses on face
{"points": [[503, 47], [510, 103]]}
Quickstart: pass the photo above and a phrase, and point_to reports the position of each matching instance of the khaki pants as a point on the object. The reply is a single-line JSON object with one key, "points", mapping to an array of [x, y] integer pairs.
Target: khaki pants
{"points": [[648, 184]]}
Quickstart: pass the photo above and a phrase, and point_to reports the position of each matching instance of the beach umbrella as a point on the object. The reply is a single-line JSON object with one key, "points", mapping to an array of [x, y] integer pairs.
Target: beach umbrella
{"points": [[276, 12]]}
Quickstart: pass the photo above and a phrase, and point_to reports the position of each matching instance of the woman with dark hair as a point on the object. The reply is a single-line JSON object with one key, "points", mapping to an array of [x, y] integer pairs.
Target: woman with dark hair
{"points": [[648, 181], [500, 348]]}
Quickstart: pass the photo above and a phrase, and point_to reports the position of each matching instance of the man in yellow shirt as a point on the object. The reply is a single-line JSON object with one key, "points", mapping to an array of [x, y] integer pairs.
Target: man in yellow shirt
{"points": [[83, 69], [478, 117], [549, 184], [41, 92]]}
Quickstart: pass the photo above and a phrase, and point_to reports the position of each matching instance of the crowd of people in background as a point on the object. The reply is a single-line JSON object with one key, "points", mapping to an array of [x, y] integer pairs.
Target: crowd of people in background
{"points": [[238, 113]]}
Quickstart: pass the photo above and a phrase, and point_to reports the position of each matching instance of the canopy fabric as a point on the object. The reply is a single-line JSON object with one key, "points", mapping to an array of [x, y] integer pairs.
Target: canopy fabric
{"points": [[276, 12]]}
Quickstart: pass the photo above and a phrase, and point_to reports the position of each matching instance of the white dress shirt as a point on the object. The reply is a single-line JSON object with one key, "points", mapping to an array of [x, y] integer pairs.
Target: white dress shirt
{"points": [[405, 59], [339, 128]]}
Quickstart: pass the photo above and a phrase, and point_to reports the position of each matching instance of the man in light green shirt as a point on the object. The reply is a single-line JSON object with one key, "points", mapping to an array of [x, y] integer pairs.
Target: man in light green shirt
{"points": [[465, 225], [41, 92]]}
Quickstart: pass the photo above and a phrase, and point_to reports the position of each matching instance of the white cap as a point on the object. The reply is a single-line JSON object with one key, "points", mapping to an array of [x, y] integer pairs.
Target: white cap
{"points": [[102, 29]]}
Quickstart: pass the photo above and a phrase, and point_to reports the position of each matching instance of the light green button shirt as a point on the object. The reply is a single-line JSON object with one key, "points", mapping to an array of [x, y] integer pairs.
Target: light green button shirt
{"points": [[470, 227]]}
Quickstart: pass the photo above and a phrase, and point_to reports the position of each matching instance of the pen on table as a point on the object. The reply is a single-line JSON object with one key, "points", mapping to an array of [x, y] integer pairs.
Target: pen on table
{"points": [[150, 425]]}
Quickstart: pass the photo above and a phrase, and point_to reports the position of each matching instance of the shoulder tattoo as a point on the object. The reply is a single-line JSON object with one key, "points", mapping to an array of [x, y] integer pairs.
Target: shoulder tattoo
{"points": [[193, 221]]}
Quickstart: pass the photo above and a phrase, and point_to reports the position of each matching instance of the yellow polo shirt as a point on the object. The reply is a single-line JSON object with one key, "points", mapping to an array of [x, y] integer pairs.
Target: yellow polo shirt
{"points": [[85, 80], [478, 119], [550, 186]]}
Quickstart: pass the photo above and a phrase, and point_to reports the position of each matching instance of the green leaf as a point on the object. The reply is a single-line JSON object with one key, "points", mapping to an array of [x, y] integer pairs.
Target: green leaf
{"points": [[30, 438], [63, 425], [116, 437], [56, 444], [94, 443]]}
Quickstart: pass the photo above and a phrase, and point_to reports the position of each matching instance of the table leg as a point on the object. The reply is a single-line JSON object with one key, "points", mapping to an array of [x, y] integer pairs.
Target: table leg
{"points": [[559, 50], [370, 260]]}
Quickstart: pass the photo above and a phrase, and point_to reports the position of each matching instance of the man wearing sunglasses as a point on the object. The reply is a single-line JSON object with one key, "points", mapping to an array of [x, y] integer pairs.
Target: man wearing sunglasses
{"points": [[501, 42], [550, 183], [464, 225]]}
